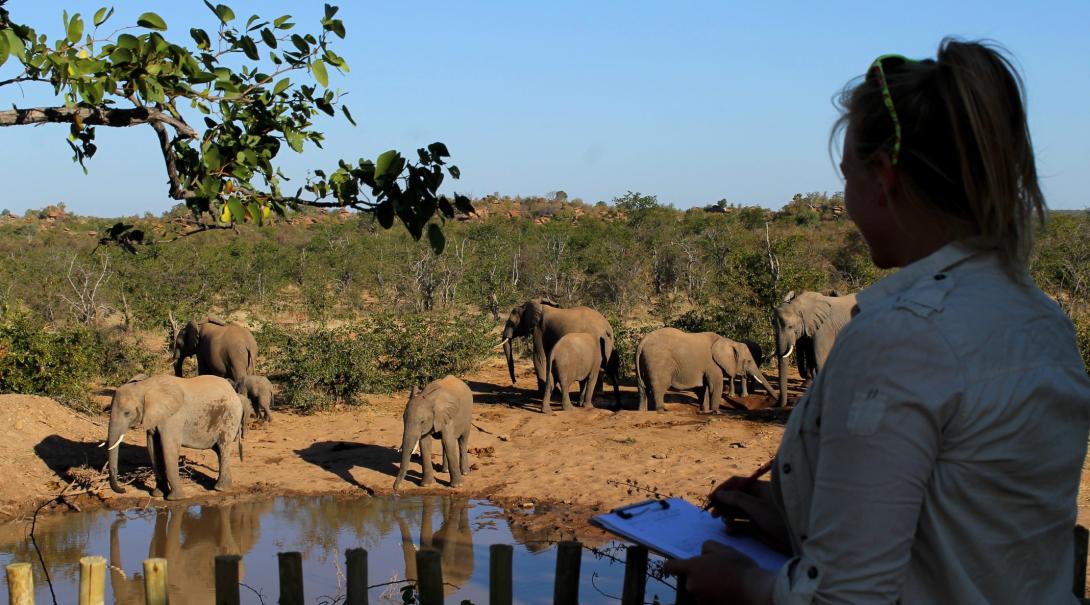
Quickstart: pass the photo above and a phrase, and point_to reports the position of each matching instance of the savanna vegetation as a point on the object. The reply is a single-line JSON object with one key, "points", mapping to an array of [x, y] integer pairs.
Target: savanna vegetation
{"points": [[342, 307]]}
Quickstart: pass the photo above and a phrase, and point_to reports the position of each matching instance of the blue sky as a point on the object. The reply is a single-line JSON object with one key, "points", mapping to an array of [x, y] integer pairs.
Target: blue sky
{"points": [[690, 101]]}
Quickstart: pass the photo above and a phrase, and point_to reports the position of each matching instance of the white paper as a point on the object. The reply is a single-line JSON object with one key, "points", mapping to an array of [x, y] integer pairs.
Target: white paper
{"points": [[680, 531]]}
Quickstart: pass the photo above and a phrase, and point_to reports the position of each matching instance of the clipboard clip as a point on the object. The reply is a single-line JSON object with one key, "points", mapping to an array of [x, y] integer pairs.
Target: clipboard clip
{"points": [[627, 512]]}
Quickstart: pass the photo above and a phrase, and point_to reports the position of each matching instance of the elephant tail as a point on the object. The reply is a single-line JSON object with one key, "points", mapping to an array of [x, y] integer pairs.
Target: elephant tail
{"points": [[639, 373], [241, 437]]}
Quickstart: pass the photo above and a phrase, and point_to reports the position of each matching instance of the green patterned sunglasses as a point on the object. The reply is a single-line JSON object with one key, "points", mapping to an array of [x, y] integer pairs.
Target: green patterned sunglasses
{"points": [[877, 67]]}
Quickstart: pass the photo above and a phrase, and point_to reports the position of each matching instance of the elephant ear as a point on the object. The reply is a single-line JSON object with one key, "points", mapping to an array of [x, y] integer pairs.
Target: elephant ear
{"points": [[548, 302], [815, 313], [444, 408], [161, 401], [191, 335], [789, 296], [724, 355], [216, 321]]}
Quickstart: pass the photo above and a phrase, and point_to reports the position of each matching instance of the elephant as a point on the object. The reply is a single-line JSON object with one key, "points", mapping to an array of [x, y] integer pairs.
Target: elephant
{"points": [[222, 349], [454, 541], [808, 322], [259, 392], [577, 356], [546, 322], [203, 412], [443, 410], [669, 358], [744, 366]]}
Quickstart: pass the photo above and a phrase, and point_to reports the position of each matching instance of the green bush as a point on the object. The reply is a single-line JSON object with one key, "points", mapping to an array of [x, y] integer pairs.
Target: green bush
{"points": [[627, 340], [321, 367], [63, 362]]}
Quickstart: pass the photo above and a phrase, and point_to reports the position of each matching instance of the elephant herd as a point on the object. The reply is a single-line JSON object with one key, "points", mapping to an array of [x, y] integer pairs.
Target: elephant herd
{"points": [[570, 345]]}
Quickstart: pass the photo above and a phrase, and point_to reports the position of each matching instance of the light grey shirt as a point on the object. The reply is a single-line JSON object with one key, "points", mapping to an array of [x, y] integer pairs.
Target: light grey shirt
{"points": [[937, 456]]}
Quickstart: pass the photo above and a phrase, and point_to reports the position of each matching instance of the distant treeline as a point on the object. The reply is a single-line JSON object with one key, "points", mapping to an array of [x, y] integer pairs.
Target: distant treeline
{"points": [[642, 263]]}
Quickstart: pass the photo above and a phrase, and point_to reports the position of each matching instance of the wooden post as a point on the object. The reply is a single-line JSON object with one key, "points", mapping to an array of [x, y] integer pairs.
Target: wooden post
{"points": [[684, 597], [499, 574], [429, 571], [356, 564], [20, 584], [155, 582], [1082, 538], [291, 578], [635, 575], [569, 555], [92, 581], [227, 577]]}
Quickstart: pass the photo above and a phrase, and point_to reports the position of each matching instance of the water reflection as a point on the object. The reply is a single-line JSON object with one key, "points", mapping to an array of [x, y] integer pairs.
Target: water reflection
{"points": [[391, 529]]}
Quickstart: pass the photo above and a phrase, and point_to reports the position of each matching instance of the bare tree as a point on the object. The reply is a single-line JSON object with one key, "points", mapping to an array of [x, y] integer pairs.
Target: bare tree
{"points": [[85, 283]]}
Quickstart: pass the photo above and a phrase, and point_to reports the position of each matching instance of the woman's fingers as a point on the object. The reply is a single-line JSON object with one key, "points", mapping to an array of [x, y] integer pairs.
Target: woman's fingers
{"points": [[677, 567]]}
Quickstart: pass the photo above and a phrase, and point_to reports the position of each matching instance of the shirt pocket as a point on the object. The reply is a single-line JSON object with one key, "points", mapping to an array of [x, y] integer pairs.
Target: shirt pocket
{"points": [[866, 411]]}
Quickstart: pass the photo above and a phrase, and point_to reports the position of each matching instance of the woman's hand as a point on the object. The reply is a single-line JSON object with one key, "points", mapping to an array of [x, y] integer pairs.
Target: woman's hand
{"points": [[722, 575], [746, 505]]}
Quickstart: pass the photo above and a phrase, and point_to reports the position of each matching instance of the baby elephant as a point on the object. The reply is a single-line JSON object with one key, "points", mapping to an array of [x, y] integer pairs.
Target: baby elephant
{"points": [[577, 356], [443, 410], [259, 391]]}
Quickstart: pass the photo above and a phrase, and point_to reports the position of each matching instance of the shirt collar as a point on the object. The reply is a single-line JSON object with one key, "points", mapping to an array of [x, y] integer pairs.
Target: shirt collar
{"points": [[935, 263]]}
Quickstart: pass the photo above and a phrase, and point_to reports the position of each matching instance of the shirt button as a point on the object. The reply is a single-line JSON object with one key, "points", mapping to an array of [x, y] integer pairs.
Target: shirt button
{"points": [[940, 276], [787, 468], [812, 573]]}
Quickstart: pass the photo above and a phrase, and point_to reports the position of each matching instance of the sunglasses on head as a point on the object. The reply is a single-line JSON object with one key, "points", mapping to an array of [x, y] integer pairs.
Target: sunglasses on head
{"points": [[879, 67]]}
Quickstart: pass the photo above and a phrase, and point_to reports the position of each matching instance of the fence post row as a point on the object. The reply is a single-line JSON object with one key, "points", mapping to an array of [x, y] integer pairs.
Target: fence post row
{"points": [[92, 580]]}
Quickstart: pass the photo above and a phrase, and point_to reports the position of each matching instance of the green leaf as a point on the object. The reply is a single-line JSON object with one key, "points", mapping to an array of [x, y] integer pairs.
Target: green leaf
{"points": [[102, 14], [75, 29], [15, 45], [222, 11], [300, 43], [385, 214], [455, 172], [385, 162], [295, 139], [255, 211], [281, 86], [151, 21], [318, 69], [268, 37], [238, 214], [201, 38], [438, 150], [4, 48], [248, 47], [280, 21], [348, 114], [337, 27], [128, 41]]}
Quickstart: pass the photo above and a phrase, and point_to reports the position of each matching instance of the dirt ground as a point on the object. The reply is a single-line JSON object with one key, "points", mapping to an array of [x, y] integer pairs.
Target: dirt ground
{"points": [[566, 467]]}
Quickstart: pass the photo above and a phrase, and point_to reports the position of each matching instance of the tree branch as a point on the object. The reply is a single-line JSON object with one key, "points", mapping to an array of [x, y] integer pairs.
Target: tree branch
{"points": [[95, 116], [166, 145], [22, 79]]}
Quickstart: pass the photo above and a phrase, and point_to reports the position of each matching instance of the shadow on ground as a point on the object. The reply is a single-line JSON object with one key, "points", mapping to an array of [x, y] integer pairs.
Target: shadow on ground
{"points": [[340, 457]]}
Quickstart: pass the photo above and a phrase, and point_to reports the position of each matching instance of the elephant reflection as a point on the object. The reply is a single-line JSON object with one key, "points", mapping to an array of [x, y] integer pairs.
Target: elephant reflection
{"points": [[454, 541], [190, 541]]}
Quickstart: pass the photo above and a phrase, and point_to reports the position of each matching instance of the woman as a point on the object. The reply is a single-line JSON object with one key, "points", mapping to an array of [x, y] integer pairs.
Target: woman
{"points": [[937, 456]]}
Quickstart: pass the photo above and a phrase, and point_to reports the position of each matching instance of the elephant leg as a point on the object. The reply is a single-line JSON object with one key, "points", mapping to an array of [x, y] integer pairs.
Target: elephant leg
{"points": [[426, 470], [715, 392], [156, 465], [659, 397], [546, 400], [642, 388], [223, 452], [463, 452], [450, 453], [745, 385], [588, 395], [565, 398], [170, 447]]}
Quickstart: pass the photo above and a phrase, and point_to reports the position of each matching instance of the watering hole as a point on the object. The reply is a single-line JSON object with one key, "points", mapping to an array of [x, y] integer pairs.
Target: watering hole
{"points": [[319, 527]]}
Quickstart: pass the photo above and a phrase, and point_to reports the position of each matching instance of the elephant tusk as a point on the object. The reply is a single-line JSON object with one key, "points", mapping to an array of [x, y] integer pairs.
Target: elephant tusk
{"points": [[505, 341], [789, 352], [118, 442]]}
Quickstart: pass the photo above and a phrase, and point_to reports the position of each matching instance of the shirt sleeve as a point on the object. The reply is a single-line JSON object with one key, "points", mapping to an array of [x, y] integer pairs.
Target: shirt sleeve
{"points": [[886, 392]]}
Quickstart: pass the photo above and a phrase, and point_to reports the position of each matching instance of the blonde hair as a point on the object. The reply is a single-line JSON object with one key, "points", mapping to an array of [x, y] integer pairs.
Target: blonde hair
{"points": [[965, 146]]}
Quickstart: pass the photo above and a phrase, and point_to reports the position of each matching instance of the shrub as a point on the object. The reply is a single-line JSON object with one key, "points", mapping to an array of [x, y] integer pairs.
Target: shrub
{"points": [[321, 367], [62, 362], [627, 339]]}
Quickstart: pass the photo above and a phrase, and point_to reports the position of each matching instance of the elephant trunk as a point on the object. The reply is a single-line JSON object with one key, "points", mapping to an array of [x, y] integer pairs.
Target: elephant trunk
{"points": [[179, 363], [756, 373], [508, 351], [114, 440], [408, 443]]}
